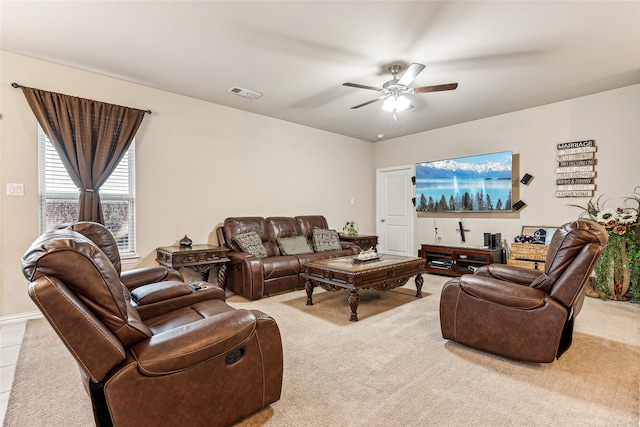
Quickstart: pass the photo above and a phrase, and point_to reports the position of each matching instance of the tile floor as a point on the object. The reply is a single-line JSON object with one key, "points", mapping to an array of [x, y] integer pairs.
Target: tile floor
{"points": [[10, 341]]}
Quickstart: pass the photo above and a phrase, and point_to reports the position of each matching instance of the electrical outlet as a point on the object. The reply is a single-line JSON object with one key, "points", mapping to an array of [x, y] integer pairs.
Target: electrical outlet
{"points": [[15, 189]]}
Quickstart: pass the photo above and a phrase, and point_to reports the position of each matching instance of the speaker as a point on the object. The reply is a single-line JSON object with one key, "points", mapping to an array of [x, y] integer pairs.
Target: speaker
{"points": [[526, 179], [519, 205], [413, 180], [496, 240], [492, 240]]}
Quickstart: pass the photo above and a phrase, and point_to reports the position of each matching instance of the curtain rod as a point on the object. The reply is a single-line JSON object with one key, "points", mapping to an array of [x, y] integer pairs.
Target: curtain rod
{"points": [[17, 86]]}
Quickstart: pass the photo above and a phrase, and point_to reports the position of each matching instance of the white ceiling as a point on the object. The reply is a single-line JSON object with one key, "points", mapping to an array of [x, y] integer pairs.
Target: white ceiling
{"points": [[506, 56]]}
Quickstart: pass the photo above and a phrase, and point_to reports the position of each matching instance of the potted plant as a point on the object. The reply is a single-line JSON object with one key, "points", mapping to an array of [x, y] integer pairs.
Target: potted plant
{"points": [[350, 228], [617, 272]]}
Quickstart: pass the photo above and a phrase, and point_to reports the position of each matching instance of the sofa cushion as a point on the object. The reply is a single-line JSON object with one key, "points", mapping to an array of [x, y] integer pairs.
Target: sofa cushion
{"points": [[325, 240], [294, 245], [251, 242]]}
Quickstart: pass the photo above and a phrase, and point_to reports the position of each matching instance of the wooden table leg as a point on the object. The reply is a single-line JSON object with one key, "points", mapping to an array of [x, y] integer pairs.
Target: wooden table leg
{"points": [[353, 303], [419, 281], [309, 288], [222, 276]]}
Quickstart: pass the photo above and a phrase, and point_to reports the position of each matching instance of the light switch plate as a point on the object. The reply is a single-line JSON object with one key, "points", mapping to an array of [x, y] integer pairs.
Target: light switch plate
{"points": [[15, 189]]}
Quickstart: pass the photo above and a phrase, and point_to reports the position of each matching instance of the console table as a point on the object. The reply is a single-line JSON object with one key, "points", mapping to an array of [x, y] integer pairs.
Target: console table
{"points": [[199, 258], [363, 240], [458, 260]]}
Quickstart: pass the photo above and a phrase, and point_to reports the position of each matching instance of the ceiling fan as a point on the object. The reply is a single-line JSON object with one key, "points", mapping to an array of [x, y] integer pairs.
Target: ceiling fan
{"points": [[393, 90]]}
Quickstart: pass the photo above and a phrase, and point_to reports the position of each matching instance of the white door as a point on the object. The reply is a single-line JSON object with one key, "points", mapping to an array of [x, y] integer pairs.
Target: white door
{"points": [[395, 210]]}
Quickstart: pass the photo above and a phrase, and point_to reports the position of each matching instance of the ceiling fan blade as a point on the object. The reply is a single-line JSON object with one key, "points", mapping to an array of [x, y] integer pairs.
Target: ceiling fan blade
{"points": [[366, 103], [437, 88], [411, 73], [360, 86]]}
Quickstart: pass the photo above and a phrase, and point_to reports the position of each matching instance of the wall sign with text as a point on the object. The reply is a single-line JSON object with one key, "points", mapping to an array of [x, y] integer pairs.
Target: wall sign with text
{"points": [[575, 174]]}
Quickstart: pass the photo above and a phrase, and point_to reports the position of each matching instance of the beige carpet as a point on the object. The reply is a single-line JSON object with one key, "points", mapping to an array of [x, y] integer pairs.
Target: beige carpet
{"points": [[392, 368]]}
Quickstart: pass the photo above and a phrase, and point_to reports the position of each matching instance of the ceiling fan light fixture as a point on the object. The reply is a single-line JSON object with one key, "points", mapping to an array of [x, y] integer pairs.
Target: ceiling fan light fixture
{"points": [[396, 104], [394, 91]]}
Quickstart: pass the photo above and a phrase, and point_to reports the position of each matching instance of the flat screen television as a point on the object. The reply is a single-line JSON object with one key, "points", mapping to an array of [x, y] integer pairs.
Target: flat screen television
{"points": [[480, 183]]}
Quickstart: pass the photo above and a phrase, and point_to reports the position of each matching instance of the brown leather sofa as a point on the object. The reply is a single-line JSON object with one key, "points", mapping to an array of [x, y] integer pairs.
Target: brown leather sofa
{"points": [[525, 314], [254, 277], [190, 360]]}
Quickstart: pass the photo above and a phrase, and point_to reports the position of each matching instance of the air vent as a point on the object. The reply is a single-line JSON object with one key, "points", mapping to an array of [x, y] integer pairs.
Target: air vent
{"points": [[244, 92]]}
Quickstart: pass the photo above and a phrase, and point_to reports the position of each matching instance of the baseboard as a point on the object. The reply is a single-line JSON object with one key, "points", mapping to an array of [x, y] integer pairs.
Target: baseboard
{"points": [[22, 317]]}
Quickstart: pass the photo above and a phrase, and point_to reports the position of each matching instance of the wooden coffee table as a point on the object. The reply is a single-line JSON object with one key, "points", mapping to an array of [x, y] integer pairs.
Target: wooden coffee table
{"points": [[386, 273]]}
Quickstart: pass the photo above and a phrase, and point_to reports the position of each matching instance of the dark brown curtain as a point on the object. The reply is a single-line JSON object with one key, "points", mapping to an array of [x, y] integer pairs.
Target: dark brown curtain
{"points": [[91, 138]]}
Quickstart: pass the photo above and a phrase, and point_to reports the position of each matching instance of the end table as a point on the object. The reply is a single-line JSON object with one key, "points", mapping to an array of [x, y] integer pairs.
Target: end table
{"points": [[363, 240], [199, 258]]}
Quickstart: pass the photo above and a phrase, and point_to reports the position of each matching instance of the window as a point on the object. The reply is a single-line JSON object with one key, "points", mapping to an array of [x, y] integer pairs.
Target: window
{"points": [[59, 195]]}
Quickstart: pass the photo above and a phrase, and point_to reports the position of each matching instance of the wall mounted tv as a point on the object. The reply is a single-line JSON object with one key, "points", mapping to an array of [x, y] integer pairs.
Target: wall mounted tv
{"points": [[480, 183]]}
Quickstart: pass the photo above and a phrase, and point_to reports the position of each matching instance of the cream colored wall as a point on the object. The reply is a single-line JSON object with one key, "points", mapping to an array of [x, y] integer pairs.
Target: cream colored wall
{"points": [[197, 163], [610, 118]]}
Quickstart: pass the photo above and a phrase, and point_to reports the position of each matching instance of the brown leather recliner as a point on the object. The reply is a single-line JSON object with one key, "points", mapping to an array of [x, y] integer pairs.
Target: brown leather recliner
{"points": [[152, 290], [520, 313], [199, 362]]}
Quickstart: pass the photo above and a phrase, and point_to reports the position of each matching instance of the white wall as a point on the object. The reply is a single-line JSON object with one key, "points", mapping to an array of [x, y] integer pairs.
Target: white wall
{"points": [[197, 163], [610, 118]]}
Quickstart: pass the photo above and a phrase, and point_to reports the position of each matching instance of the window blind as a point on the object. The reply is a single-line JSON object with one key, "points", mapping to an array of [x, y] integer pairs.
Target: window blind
{"points": [[59, 195]]}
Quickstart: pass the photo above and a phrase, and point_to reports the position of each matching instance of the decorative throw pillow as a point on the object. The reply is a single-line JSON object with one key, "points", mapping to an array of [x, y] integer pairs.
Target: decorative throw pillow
{"points": [[251, 242], [325, 240], [293, 245]]}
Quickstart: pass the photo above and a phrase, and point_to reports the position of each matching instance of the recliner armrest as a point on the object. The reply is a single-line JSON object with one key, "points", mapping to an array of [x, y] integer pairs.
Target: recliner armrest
{"points": [[501, 292], [184, 347], [509, 273], [160, 291], [145, 275], [238, 257]]}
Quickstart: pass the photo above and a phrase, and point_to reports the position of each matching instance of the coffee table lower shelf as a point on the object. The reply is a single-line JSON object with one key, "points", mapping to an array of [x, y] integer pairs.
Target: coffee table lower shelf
{"points": [[343, 273]]}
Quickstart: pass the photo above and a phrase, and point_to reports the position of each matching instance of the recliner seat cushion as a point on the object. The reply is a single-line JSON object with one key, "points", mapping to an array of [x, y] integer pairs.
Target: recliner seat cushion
{"points": [[186, 315], [279, 266]]}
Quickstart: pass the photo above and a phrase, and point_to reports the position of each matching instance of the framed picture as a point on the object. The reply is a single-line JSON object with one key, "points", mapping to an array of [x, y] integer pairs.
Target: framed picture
{"points": [[542, 234]]}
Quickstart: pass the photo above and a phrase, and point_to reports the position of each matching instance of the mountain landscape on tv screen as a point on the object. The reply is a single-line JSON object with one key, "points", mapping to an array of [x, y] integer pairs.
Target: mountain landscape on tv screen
{"points": [[461, 169], [476, 183]]}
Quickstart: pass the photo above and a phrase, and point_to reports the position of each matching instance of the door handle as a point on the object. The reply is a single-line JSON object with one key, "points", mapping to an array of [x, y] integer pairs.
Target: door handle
{"points": [[382, 220]]}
